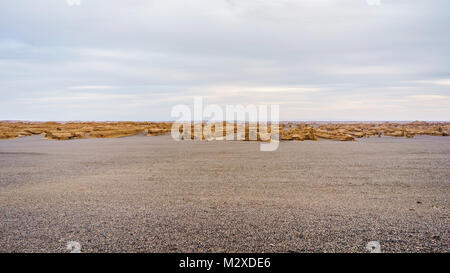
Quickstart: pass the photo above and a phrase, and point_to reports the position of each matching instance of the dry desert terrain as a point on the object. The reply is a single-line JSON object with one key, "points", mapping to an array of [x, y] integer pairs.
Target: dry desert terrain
{"points": [[152, 194]]}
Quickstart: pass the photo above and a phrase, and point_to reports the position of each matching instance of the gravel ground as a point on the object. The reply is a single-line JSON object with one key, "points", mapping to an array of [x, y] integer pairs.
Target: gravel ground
{"points": [[151, 194]]}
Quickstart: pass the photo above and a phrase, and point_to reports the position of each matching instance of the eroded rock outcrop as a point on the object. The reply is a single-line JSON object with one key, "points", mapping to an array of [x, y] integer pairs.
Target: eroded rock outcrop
{"points": [[288, 131]]}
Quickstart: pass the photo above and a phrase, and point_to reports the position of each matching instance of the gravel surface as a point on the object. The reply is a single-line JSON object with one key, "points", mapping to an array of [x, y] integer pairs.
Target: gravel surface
{"points": [[151, 194]]}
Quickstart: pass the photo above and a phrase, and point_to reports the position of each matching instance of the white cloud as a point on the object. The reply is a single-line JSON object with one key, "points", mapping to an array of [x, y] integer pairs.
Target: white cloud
{"points": [[84, 87], [78, 98], [444, 82], [371, 70], [430, 97], [321, 59]]}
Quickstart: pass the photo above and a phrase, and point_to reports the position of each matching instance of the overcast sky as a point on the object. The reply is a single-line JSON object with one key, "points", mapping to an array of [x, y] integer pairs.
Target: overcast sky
{"points": [[136, 59]]}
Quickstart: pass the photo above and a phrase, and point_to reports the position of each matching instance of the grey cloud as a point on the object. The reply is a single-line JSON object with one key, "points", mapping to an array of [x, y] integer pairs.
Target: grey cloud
{"points": [[148, 50]]}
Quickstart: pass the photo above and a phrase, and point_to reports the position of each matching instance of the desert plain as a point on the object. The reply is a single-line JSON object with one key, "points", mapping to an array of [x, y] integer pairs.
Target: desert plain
{"points": [[129, 187]]}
